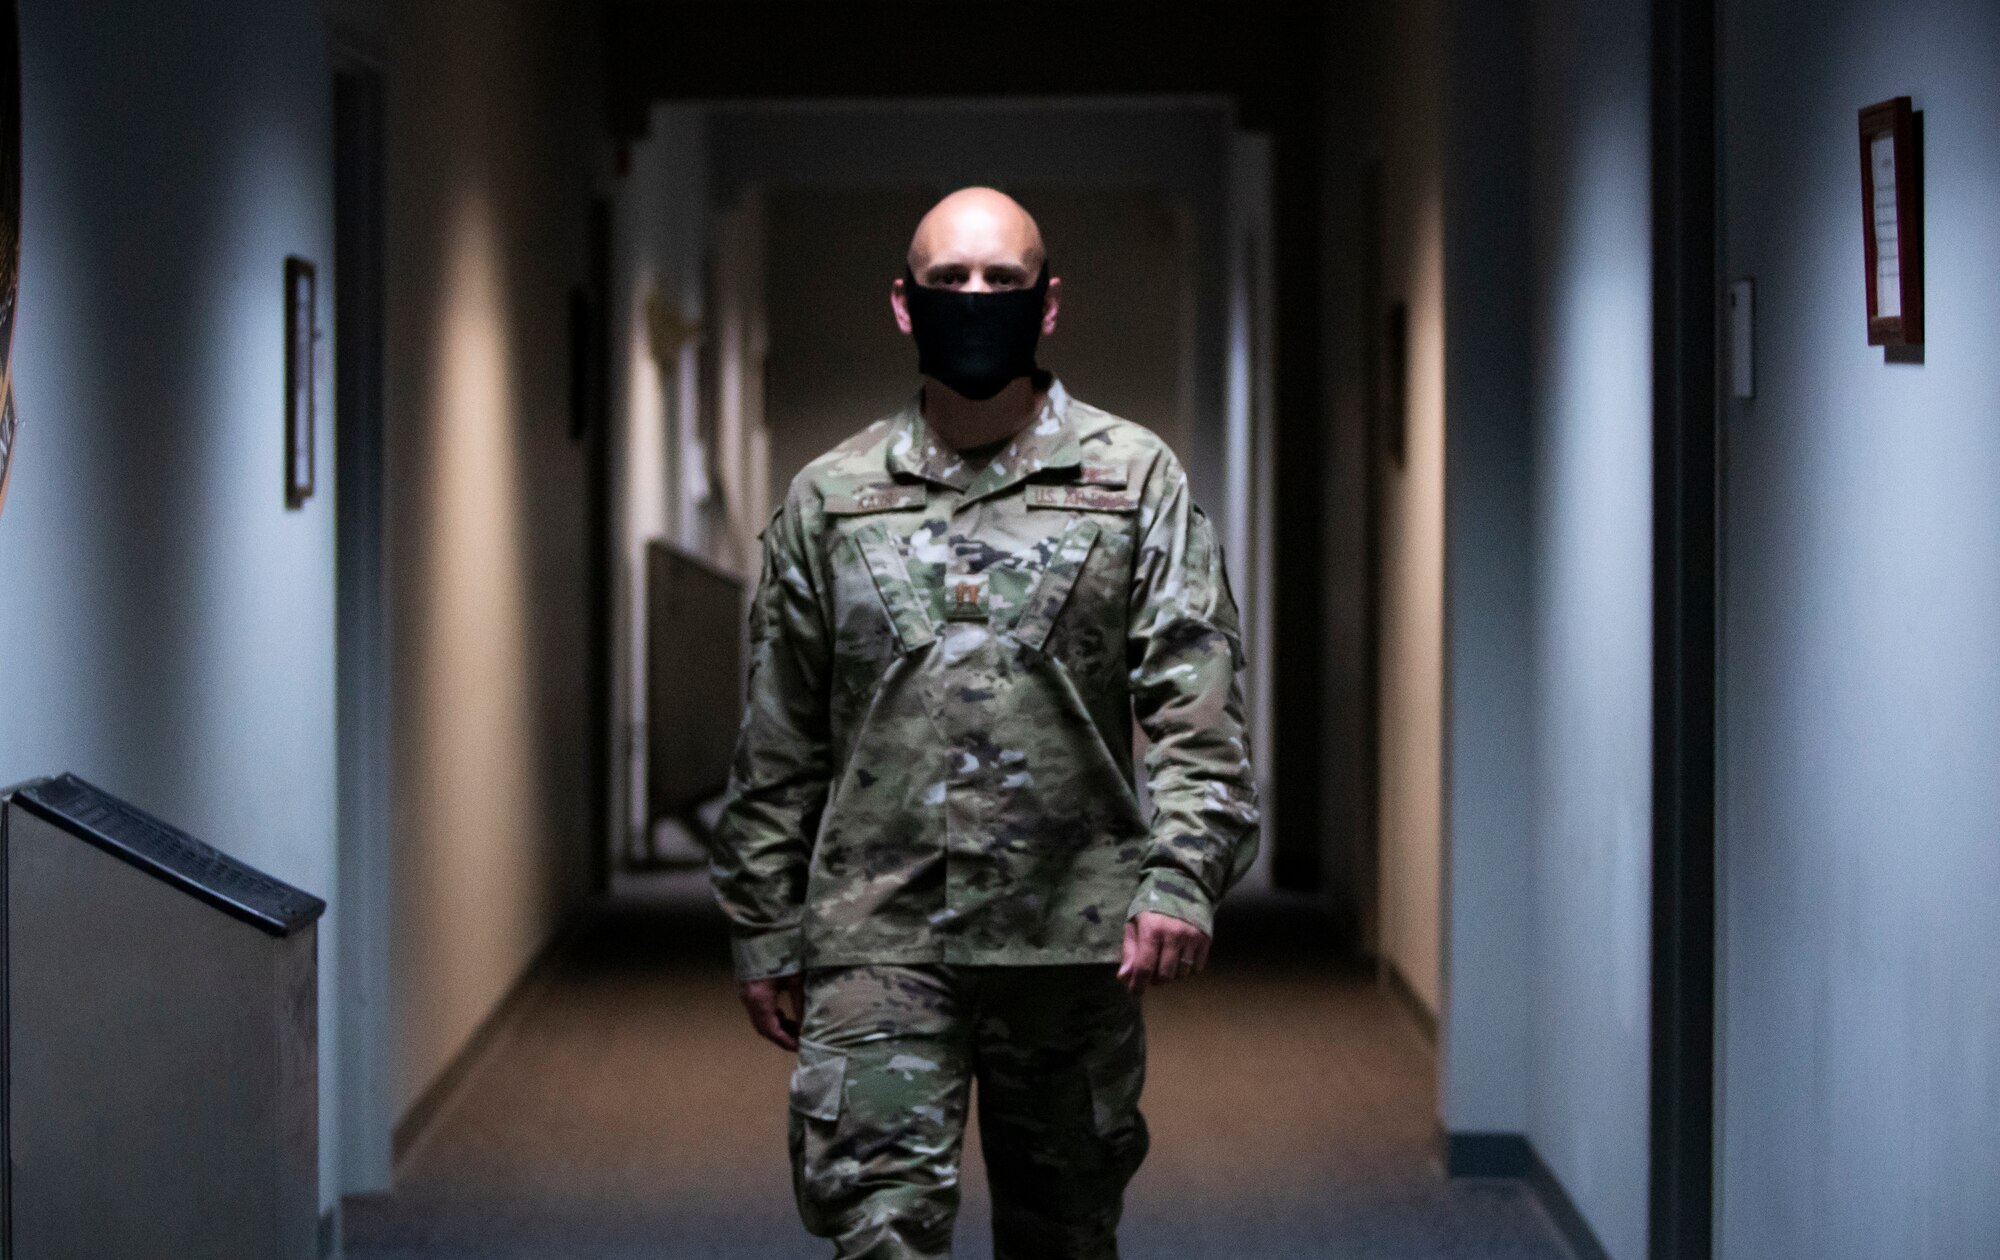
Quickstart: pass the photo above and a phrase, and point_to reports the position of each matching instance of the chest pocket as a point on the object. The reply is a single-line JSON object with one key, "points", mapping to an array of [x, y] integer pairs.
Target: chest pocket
{"points": [[883, 559], [1045, 603]]}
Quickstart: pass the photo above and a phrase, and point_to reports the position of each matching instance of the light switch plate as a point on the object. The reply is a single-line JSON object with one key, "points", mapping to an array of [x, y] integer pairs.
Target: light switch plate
{"points": [[1743, 339]]}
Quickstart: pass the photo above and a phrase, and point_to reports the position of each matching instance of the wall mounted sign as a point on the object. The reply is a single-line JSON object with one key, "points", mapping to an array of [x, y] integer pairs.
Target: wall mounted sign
{"points": [[10, 228], [301, 338], [1892, 215]]}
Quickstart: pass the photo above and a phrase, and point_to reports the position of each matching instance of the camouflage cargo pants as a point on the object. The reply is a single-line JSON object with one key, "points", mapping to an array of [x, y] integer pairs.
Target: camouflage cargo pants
{"points": [[887, 1055]]}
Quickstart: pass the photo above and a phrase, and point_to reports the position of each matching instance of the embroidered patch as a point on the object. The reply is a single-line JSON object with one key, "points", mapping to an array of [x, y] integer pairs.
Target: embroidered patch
{"points": [[881, 498], [1094, 473], [1084, 498], [965, 597]]}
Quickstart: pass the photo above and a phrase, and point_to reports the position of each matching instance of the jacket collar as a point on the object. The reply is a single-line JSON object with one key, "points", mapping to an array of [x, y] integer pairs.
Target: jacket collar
{"points": [[1048, 441]]}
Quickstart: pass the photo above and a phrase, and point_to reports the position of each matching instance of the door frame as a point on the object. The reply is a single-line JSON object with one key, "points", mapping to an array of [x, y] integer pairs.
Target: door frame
{"points": [[1250, 462], [1686, 409], [363, 1082]]}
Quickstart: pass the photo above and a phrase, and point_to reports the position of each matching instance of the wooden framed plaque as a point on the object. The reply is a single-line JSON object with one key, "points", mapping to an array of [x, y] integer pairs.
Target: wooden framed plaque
{"points": [[1892, 222]]}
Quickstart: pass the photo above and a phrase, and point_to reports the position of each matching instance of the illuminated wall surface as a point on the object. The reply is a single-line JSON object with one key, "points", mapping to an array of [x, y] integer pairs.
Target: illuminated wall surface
{"points": [[1861, 679], [166, 626], [1589, 954], [490, 178], [1412, 661]]}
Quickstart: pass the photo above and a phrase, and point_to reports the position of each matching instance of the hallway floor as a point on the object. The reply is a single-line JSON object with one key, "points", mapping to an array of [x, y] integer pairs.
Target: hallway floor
{"points": [[629, 1112]]}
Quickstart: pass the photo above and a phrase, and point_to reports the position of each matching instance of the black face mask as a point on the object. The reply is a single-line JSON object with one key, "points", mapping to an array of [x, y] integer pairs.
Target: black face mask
{"points": [[976, 342]]}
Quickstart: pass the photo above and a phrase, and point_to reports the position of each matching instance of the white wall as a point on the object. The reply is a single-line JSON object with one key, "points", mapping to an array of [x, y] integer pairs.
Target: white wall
{"points": [[1860, 692], [166, 626], [1591, 493], [1516, 566], [492, 131], [1411, 725]]}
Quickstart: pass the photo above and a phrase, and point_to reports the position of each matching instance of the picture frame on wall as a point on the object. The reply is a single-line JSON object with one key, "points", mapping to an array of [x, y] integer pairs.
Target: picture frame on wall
{"points": [[1892, 223], [301, 340]]}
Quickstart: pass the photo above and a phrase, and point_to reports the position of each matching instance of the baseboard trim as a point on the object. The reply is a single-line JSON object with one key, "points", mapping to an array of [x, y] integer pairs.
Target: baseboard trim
{"points": [[1488, 1155], [534, 978], [1405, 994], [1513, 1156]]}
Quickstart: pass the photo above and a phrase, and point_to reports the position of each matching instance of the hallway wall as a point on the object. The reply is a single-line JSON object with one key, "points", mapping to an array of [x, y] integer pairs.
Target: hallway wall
{"points": [[1860, 857], [166, 625], [1591, 495], [492, 133], [1411, 727], [1516, 573]]}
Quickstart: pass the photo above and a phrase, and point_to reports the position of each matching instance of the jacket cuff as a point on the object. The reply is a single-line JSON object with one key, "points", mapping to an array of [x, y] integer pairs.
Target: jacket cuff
{"points": [[1175, 893], [774, 952]]}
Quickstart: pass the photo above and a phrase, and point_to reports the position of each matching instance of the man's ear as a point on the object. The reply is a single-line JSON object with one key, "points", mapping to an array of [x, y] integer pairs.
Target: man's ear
{"points": [[1051, 303], [899, 305]]}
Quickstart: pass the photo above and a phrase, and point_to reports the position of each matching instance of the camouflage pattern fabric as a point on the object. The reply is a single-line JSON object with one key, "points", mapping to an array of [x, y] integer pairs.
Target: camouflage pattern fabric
{"points": [[878, 1105], [935, 758]]}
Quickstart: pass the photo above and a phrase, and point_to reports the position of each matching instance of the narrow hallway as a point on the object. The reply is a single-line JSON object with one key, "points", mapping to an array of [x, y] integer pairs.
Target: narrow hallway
{"points": [[394, 403], [629, 1112]]}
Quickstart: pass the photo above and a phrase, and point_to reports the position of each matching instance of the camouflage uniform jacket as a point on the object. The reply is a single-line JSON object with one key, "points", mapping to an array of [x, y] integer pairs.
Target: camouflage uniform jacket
{"points": [[935, 758]]}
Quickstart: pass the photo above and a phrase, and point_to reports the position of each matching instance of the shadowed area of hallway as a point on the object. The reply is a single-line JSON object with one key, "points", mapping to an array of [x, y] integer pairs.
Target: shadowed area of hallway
{"points": [[627, 1111]]}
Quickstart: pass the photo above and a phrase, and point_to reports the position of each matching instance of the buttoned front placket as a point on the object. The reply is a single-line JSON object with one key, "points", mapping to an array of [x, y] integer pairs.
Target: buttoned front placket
{"points": [[973, 669]]}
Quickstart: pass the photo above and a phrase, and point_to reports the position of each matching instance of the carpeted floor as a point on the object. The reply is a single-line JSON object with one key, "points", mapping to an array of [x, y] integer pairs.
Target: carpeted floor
{"points": [[629, 1112]]}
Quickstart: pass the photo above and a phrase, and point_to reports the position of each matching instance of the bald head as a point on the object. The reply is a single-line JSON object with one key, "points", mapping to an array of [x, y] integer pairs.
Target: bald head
{"points": [[977, 235]]}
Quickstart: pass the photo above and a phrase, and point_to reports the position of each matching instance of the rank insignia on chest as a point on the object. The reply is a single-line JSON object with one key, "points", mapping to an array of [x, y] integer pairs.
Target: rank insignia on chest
{"points": [[965, 596]]}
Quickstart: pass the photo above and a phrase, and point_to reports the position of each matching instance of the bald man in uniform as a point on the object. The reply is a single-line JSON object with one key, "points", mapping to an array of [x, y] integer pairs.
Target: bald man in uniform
{"points": [[932, 853]]}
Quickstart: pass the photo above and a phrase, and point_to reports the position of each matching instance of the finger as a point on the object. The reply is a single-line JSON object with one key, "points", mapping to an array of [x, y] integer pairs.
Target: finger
{"points": [[1201, 944], [779, 1031], [1145, 961], [1128, 953], [791, 1003], [1169, 968], [763, 1007]]}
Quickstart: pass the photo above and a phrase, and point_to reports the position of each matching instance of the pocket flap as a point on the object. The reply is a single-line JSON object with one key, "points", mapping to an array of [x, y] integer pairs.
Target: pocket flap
{"points": [[1072, 552], [818, 1081], [907, 613]]}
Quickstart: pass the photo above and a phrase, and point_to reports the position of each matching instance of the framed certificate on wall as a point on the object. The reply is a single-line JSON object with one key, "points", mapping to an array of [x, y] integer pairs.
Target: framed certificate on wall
{"points": [[1892, 222]]}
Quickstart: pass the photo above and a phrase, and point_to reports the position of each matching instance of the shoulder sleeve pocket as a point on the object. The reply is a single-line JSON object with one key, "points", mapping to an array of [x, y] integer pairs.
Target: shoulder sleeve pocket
{"points": [[818, 1081]]}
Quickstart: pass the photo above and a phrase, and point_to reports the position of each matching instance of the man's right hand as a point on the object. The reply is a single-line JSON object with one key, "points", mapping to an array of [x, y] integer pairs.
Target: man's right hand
{"points": [[775, 1005]]}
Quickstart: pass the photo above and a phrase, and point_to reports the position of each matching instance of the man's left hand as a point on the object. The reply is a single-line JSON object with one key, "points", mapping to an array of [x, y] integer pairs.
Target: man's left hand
{"points": [[1160, 948]]}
